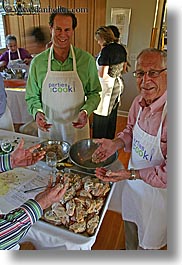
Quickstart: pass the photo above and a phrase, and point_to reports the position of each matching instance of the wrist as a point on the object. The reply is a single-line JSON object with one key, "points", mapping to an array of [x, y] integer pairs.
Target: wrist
{"points": [[119, 142], [85, 111], [134, 174]]}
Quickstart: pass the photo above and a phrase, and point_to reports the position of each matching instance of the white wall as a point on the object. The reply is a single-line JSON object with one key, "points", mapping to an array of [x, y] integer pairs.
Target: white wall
{"points": [[141, 24]]}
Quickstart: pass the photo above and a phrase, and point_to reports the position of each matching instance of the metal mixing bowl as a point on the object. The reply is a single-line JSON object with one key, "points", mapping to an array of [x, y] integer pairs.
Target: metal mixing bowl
{"points": [[61, 148], [81, 155]]}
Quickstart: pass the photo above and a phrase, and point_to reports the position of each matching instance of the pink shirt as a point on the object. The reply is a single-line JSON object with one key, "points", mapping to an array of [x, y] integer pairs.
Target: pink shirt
{"points": [[149, 121]]}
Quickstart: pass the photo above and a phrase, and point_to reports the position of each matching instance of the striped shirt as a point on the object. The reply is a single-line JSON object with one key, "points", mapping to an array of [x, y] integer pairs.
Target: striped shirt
{"points": [[15, 224], [5, 163]]}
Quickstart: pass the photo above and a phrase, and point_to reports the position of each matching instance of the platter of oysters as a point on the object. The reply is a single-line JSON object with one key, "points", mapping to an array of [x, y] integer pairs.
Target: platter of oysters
{"points": [[83, 206]]}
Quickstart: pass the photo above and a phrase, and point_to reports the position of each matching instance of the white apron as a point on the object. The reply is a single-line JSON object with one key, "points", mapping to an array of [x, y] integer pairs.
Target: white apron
{"points": [[6, 122], [62, 98], [107, 84], [16, 64], [141, 203]]}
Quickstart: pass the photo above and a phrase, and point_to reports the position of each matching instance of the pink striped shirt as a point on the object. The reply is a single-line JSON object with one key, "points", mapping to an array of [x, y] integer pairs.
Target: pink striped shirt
{"points": [[149, 121]]}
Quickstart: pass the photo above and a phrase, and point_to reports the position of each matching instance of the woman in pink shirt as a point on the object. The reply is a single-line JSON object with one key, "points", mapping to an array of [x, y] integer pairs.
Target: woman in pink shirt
{"points": [[144, 200]]}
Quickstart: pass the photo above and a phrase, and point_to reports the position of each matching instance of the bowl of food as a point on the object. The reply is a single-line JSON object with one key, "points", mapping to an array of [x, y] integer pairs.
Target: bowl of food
{"points": [[61, 148], [81, 153]]}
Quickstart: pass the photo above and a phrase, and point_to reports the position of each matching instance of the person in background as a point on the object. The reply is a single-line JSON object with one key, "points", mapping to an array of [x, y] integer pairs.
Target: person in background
{"points": [[37, 39], [14, 57], [111, 63], [6, 122], [116, 32], [15, 224], [63, 86], [144, 191]]}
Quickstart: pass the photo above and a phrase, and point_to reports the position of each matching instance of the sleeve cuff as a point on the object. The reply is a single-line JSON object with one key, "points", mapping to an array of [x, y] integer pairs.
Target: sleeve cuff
{"points": [[6, 162], [33, 210]]}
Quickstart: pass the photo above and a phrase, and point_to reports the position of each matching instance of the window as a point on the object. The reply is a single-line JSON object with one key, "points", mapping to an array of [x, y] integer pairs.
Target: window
{"points": [[2, 35]]}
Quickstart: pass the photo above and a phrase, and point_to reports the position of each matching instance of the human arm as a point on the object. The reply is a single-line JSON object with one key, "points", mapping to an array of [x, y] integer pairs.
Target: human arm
{"points": [[25, 56], [34, 86], [20, 157], [41, 122], [106, 148], [15, 224], [4, 59], [81, 120], [154, 176], [2, 63], [3, 99]]}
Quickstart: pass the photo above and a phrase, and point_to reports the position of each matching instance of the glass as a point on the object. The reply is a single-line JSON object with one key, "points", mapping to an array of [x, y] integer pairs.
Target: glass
{"points": [[6, 146], [51, 161], [151, 73]]}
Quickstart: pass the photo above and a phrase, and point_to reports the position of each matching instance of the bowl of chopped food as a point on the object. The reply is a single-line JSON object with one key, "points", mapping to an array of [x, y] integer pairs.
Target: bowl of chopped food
{"points": [[61, 148], [81, 153]]}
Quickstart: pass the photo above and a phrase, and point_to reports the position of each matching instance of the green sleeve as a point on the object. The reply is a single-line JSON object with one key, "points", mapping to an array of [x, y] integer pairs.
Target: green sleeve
{"points": [[33, 90]]}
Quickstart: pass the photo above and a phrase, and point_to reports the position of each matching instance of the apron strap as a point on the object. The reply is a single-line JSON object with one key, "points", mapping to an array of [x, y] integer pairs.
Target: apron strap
{"points": [[49, 58], [164, 112], [19, 57]]}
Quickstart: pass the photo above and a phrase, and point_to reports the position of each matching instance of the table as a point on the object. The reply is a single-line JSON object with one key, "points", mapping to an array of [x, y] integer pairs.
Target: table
{"points": [[44, 235], [17, 105]]}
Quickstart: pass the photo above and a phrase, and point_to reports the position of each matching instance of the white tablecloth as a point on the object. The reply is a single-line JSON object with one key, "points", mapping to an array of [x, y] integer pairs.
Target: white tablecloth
{"points": [[17, 105], [46, 236]]}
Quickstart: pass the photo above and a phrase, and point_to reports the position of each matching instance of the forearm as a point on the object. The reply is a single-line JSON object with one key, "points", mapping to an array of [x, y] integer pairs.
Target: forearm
{"points": [[15, 225], [155, 176], [91, 103], [33, 97]]}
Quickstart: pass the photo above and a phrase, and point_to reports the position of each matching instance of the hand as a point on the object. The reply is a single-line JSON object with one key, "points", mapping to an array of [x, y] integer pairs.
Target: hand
{"points": [[41, 122], [81, 121], [52, 194], [27, 60], [21, 157], [111, 176], [106, 148]]}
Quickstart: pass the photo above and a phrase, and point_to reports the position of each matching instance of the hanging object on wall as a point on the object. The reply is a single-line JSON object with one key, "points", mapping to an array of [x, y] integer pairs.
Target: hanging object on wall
{"points": [[22, 7]]}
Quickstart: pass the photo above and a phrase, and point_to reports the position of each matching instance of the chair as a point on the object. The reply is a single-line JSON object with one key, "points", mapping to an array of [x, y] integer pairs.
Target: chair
{"points": [[29, 128], [6, 122]]}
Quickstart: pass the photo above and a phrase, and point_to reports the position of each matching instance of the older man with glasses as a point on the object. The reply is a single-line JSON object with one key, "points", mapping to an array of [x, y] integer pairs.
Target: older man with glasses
{"points": [[144, 194]]}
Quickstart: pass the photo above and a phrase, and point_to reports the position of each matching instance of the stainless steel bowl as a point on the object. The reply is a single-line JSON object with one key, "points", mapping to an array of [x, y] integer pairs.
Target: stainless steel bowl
{"points": [[61, 148], [81, 155]]}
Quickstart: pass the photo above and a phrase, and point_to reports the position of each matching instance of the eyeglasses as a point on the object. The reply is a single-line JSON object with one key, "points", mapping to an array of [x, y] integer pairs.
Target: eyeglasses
{"points": [[151, 73]]}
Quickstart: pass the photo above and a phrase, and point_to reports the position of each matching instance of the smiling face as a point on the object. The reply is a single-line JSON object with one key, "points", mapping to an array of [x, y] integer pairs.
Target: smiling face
{"points": [[151, 88], [62, 31]]}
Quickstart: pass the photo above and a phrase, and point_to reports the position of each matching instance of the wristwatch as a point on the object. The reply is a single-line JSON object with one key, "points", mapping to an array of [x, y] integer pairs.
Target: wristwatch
{"points": [[132, 174]]}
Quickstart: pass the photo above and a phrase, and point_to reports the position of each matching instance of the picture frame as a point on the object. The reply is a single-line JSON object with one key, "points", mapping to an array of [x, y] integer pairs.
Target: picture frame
{"points": [[120, 17]]}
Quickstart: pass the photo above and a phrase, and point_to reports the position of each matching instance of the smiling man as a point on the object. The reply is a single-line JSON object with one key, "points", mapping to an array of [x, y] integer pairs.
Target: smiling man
{"points": [[144, 194], [63, 86]]}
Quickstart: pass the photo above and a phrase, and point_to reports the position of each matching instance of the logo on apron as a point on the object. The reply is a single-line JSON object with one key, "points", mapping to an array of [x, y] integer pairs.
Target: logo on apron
{"points": [[141, 151], [61, 87]]}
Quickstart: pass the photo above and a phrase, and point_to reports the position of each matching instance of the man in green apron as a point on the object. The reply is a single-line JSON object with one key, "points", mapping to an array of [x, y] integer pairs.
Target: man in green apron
{"points": [[63, 86]]}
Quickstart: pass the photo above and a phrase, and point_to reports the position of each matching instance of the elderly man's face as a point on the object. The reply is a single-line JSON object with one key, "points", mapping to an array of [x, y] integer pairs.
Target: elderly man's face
{"points": [[151, 88]]}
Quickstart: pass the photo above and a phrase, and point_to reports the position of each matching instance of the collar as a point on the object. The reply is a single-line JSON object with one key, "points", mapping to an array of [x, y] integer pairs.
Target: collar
{"points": [[156, 105], [69, 55]]}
